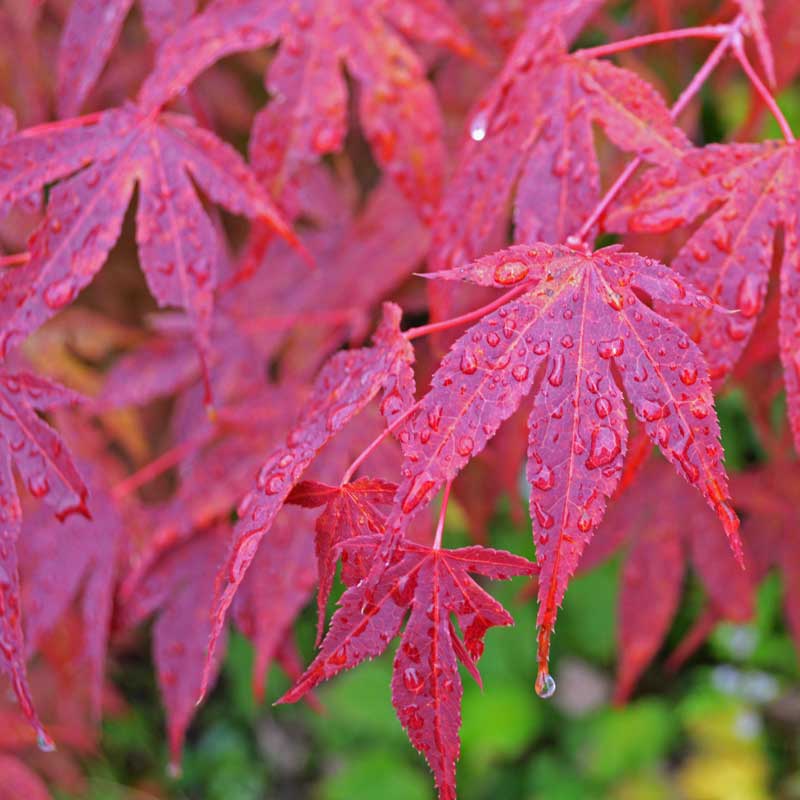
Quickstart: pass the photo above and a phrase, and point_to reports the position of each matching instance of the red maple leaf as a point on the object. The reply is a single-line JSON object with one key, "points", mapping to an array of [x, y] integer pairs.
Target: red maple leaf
{"points": [[754, 190], [108, 154], [179, 588], [49, 474], [577, 328], [664, 525], [75, 560], [432, 585], [307, 116], [349, 510], [347, 383], [533, 130], [91, 32]]}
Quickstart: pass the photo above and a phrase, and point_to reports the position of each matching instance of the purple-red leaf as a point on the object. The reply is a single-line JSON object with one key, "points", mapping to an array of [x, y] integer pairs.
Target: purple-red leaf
{"points": [[579, 324], [343, 388], [177, 242], [533, 129], [429, 586], [90, 34]]}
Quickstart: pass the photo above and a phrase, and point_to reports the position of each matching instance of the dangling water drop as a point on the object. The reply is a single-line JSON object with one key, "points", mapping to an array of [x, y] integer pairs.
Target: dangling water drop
{"points": [[545, 684], [478, 126]]}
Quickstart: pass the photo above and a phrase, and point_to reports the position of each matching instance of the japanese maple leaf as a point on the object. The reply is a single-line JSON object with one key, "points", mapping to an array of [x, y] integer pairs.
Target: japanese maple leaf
{"points": [[576, 328], [276, 589], [664, 525], [427, 585], [178, 588], [533, 130], [307, 116], [349, 510], [347, 383], [100, 159], [75, 561], [754, 190], [49, 473], [91, 31]]}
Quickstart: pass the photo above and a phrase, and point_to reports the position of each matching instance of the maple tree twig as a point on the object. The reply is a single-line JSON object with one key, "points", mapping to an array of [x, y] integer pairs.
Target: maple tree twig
{"points": [[763, 92], [367, 451], [437, 541], [160, 465], [15, 259], [685, 98], [470, 316], [701, 32]]}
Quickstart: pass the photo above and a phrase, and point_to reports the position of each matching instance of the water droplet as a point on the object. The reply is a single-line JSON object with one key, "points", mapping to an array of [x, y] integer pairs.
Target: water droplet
{"points": [[541, 348], [519, 373], [58, 294], [38, 485], [605, 447], [556, 376], [615, 300], [44, 742], [544, 479], [469, 364], [544, 519], [412, 680], [466, 444], [478, 126], [510, 272], [603, 407], [545, 684], [492, 339], [688, 375], [610, 348]]}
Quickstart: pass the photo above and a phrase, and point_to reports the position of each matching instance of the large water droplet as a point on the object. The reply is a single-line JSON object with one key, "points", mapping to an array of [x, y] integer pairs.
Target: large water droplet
{"points": [[556, 376], [610, 348], [605, 447], [510, 272], [545, 685]]}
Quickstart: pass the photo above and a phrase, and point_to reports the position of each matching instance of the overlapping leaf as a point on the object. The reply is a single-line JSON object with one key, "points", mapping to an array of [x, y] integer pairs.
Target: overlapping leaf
{"points": [[179, 589], [307, 116], [49, 473], [343, 388], [78, 559], [664, 525], [91, 31], [577, 328], [754, 191], [429, 586], [533, 130], [104, 157], [349, 510]]}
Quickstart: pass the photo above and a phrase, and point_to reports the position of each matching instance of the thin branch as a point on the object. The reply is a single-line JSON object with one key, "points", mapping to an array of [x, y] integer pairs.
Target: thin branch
{"points": [[702, 32], [471, 316], [763, 92], [368, 450], [685, 98]]}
